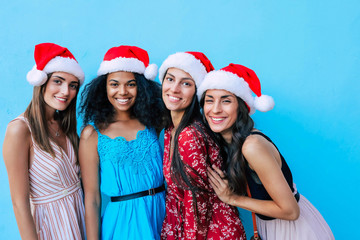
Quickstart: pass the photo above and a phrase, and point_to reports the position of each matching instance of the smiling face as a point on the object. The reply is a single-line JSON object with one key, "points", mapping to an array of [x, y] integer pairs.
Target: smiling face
{"points": [[220, 110], [60, 90], [121, 91], [178, 90]]}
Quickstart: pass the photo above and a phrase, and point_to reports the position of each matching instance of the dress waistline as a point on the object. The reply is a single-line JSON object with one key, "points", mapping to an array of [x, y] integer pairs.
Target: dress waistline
{"points": [[57, 195]]}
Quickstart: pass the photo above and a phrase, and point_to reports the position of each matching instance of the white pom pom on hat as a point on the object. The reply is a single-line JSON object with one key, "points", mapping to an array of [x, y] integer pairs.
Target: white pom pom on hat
{"points": [[151, 71], [128, 59], [264, 103], [240, 81], [36, 77], [49, 58]]}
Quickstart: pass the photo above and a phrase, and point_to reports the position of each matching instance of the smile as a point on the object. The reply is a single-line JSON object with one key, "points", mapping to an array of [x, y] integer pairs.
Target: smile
{"points": [[123, 100], [173, 99], [61, 99], [217, 119]]}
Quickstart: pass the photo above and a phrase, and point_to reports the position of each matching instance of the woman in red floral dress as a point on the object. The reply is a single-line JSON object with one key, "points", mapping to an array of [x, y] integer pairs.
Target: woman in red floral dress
{"points": [[193, 211]]}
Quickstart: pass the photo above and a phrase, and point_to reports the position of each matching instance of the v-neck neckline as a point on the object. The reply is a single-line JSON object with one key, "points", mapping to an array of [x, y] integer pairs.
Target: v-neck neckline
{"points": [[62, 150]]}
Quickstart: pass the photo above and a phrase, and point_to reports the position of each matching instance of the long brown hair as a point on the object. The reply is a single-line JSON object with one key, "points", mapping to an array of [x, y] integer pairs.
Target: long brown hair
{"points": [[35, 114]]}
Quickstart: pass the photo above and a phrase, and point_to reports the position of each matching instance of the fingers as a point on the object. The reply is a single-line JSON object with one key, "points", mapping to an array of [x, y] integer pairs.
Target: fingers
{"points": [[218, 170], [213, 177]]}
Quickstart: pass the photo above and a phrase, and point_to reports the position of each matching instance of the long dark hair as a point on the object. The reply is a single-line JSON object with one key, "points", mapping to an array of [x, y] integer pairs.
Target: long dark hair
{"points": [[35, 114], [192, 119], [235, 163], [148, 108]]}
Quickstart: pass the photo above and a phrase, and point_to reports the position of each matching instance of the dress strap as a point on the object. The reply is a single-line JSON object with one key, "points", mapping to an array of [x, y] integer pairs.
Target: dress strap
{"points": [[22, 118], [95, 127]]}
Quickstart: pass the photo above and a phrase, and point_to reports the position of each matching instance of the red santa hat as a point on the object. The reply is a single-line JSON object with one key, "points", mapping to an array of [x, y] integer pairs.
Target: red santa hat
{"points": [[194, 63], [128, 59], [240, 81], [49, 58]]}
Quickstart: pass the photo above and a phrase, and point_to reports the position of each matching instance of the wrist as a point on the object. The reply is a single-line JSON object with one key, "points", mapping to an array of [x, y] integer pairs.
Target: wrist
{"points": [[232, 200]]}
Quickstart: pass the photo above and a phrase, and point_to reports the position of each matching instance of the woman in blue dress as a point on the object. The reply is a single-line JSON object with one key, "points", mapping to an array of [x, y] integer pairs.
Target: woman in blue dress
{"points": [[120, 155]]}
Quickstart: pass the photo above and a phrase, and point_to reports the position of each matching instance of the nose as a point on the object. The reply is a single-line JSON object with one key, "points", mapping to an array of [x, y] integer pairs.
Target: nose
{"points": [[65, 89], [217, 107], [122, 90], [175, 87]]}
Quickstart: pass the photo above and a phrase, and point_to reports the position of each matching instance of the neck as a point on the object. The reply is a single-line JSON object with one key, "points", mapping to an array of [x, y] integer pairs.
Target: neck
{"points": [[50, 114], [227, 137], [123, 116], [176, 118]]}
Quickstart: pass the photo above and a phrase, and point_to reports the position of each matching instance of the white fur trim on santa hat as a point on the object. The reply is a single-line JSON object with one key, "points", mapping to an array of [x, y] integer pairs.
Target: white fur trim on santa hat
{"points": [[121, 64], [57, 64], [151, 71], [264, 103], [186, 62], [229, 82], [36, 77]]}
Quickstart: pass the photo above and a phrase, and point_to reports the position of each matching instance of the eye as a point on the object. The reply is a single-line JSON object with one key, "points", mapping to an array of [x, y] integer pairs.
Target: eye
{"points": [[169, 79], [132, 84], [74, 86], [226, 101], [208, 100], [188, 84], [114, 84], [57, 81]]}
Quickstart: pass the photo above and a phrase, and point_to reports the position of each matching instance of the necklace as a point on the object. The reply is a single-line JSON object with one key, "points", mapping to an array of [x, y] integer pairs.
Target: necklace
{"points": [[57, 132]]}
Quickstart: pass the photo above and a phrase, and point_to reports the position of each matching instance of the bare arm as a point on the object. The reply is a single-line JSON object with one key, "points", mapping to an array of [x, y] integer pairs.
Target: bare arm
{"points": [[16, 150], [265, 161], [89, 164]]}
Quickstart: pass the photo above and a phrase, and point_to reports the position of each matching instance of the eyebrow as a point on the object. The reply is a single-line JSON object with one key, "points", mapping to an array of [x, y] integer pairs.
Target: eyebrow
{"points": [[59, 77], [185, 78], [126, 82], [224, 96]]}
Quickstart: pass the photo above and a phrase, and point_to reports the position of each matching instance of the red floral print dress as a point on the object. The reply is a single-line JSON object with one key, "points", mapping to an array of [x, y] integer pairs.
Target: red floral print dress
{"points": [[216, 220]]}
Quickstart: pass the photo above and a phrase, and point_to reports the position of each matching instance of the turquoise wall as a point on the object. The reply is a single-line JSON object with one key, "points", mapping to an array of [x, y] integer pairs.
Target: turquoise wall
{"points": [[306, 53]]}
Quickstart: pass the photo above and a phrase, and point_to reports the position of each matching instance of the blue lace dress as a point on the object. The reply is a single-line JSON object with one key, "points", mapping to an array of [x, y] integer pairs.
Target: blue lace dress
{"points": [[128, 167]]}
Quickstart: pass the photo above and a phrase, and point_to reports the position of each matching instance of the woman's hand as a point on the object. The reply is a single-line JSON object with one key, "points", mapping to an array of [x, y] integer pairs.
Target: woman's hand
{"points": [[220, 185]]}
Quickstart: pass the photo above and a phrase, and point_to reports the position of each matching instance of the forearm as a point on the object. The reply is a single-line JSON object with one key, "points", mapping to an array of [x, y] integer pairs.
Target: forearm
{"points": [[25, 220], [92, 219], [264, 207]]}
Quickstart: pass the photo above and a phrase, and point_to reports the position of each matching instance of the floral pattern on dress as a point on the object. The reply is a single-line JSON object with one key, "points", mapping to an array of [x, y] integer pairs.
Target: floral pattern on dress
{"points": [[216, 220]]}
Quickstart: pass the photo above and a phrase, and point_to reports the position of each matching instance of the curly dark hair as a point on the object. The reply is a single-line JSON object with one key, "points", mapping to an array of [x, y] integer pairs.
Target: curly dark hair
{"points": [[96, 108], [234, 161]]}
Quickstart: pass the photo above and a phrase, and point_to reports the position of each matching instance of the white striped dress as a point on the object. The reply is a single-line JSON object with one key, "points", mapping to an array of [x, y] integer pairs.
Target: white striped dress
{"points": [[56, 196]]}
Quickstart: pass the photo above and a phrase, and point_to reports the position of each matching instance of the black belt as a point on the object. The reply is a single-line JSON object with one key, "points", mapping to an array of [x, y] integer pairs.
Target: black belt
{"points": [[148, 192]]}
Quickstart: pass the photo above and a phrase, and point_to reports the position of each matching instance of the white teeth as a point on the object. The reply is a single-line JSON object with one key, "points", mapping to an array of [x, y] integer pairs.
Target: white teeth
{"points": [[217, 119], [174, 98], [61, 99], [122, 100]]}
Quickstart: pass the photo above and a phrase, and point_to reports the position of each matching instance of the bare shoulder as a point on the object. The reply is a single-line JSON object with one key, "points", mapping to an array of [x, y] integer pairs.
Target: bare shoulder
{"points": [[17, 129], [88, 133], [256, 145]]}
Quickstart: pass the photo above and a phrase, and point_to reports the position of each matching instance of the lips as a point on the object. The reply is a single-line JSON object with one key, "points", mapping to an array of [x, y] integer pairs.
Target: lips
{"points": [[63, 100], [173, 99], [217, 120], [123, 100]]}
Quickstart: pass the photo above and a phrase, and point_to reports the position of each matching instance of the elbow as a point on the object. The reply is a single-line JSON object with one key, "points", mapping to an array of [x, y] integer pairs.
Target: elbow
{"points": [[92, 201], [293, 214]]}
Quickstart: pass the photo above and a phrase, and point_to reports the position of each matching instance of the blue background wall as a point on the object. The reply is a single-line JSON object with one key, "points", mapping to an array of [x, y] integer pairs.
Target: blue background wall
{"points": [[306, 53]]}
